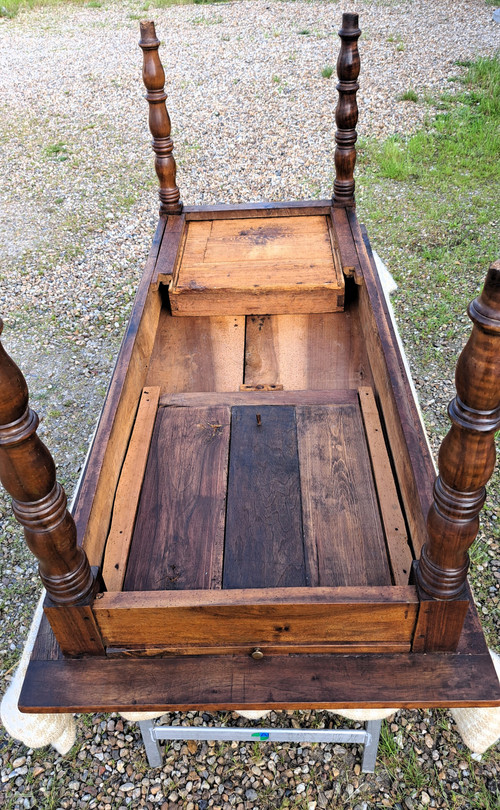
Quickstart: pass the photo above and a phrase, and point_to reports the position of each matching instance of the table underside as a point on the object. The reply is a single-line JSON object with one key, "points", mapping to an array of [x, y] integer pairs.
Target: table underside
{"points": [[271, 512]]}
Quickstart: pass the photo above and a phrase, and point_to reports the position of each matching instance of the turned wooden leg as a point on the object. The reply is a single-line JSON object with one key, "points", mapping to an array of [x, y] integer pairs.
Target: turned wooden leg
{"points": [[159, 121], [346, 114], [28, 473], [467, 454]]}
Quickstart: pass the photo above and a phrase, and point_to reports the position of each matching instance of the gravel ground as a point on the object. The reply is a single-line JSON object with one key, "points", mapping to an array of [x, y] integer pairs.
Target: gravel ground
{"points": [[252, 119]]}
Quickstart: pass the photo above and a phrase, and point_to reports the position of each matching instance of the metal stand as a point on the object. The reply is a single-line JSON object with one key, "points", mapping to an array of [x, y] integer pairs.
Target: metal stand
{"points": [[369, 737]]}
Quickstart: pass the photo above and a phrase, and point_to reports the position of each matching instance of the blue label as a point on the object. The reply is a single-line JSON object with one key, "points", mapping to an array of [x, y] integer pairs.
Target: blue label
{"points": [[262, 735]]}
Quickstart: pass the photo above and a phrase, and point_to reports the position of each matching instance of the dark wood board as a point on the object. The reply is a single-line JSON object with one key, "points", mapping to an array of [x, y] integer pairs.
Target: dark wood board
{"points": [[179, 531], [300, 208], [264, 543], [343, 535], [230, 398], [237, 682]]}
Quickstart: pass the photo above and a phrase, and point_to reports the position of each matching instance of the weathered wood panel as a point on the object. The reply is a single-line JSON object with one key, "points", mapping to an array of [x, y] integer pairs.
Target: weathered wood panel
{"points": [[343, 535], [198, 354], [264, 545], [306, 351], [128, 491], [179, 535]]}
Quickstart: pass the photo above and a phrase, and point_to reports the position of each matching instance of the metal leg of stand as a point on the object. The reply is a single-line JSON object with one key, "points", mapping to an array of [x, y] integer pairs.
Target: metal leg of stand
{"points": [[153, 751], [371, 746], [369, 737]]}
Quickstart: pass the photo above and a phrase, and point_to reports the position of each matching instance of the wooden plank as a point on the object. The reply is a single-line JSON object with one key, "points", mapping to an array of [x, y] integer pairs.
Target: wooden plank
{"points": [[246, 597], [282, 264], [396, 536], [128, 491], [94, 503], [348, 254], [171, 250], [256, 397], [300, 208], [335, 648], [264, 545], [413, 464], [198, 354], [306, 351], [297, 298], [244, 620], [253, 626], [343, 535], [179, 534], [239, 682], [76, 629]]}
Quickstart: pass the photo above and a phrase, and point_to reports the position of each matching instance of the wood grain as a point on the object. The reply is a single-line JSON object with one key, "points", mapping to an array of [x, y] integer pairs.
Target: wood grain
{"points": [[254, 397], [75, 628], [256, 617], [306, 351], [343, 536], [264, 545], [252, 266], [238, 682], [128, 491], [179, 534], [298, 208], [198, 354], [171, 250], [348, 255], [396, 536]]}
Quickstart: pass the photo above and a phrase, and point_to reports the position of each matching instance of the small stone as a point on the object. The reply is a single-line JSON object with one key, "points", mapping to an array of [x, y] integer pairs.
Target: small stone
{"points": [[409, 803], [74, 786], [424, 797], [37, 771], [429, 741], [251, 794], [126, 787], [192, 746], [301, 787], [19, 762]]}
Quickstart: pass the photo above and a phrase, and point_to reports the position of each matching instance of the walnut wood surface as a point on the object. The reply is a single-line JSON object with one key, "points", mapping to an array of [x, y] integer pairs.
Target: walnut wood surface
{"points": [[241, 619], [346, 114], [264, 545], [153, 76], [396, 536], [343, 535], [255, 397], [28, 473], [347, 248], [197, 354], [247, 266], [179, 533], [170, 250], [467, 455], [128, 491], [297, 208], [237, 682], [307, 351]]}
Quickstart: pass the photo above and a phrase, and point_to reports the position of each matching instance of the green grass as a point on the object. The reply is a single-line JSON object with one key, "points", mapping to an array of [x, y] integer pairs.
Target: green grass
{"points": [[9, 8], [327, 71], [430, 203], [409, 95], [448, 174]]}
